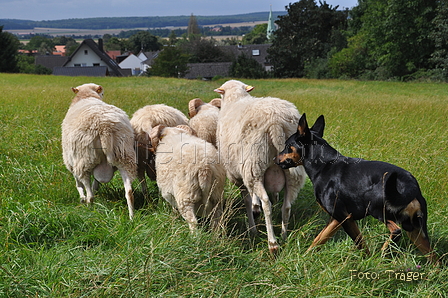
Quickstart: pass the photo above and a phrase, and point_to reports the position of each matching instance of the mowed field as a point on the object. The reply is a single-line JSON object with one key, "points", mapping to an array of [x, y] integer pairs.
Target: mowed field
{"points": [[53, 246]]}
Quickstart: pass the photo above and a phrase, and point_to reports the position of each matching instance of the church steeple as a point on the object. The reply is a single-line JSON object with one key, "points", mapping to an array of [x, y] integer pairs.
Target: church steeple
{"points": [[271, 26]]}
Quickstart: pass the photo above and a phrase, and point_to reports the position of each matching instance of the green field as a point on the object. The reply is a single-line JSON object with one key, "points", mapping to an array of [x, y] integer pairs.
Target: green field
{"points": [[52, 246]]}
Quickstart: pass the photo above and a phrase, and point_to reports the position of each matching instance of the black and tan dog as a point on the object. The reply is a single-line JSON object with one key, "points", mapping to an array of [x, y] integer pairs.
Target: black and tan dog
{"points": [[349, 189]]}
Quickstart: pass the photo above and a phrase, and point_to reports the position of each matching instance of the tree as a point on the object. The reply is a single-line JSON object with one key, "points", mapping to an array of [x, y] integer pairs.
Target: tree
{"points": [[439, 35], [193, 27], [171, 61], [247, 67], [42, 44], [397, 35], [306, 34], [203, 50], [9, 45], [257, 35], [113, 44], [143, 41], [26, 65]]}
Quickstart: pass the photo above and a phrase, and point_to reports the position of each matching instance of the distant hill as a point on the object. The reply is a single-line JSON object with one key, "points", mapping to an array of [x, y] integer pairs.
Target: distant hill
{"points": [[136, 22]]}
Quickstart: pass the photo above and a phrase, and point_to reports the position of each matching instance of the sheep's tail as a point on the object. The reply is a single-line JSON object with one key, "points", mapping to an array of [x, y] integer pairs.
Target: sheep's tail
{"points": [[107, 146], [205, 180], [277, 136]]}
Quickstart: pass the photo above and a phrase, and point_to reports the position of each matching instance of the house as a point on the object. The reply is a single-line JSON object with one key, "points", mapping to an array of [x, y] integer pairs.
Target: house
{"points": [[59, 50], [207, 71], [138, 64], [258, 52], [50, 61], [87, 56]]}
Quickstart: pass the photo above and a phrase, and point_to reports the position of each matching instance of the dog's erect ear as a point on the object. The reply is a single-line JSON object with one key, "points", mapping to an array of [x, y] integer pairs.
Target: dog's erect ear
{"points": [[319, 126], [303, 128]]}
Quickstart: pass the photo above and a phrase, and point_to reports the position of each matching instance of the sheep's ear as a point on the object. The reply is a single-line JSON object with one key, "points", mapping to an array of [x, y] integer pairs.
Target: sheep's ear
{"points": [[193, 105], [249, 88], [156, 136], [99, 89], [318, 126], [219, 90], [303, 128], [187, 129], [75, 90], [216, 102]]}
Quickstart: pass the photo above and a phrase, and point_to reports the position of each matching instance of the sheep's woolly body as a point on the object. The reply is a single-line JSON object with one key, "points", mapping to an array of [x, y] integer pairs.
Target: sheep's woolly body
{"points": [[204, 120], [189, 175], [251, 131], [150, 116], [142, 122], [96, 138]]}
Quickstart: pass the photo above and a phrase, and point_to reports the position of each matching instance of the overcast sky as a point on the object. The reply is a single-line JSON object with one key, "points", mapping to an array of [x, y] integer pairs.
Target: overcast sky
{"points": [[39, 10]]}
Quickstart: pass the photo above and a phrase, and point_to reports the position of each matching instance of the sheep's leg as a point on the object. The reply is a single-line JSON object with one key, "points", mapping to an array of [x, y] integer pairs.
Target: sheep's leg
{"points": [[260, 191], [127, 181], [291, 192], [80, 188], [95, 185], [85, 181], [187, 213], [216, 216], [142, 181], [286, 213], [250, 214]]}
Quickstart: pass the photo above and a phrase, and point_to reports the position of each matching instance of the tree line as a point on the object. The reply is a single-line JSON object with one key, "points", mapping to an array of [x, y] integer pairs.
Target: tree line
{"points": [[135, 22], [375, 40]]}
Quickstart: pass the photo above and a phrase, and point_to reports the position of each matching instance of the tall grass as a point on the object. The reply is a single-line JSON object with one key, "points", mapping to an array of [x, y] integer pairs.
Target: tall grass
{"points": [[52, 246]]}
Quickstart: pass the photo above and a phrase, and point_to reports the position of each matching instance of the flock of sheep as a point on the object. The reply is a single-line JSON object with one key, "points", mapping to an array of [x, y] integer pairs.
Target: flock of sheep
{"points": [[235, 137]]}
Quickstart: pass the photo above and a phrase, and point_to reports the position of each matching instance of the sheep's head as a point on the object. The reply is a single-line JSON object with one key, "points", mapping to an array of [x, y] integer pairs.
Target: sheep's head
{"points": [[196, 105], [160, 131], [234, 87], [187, 129], [88, 90]]}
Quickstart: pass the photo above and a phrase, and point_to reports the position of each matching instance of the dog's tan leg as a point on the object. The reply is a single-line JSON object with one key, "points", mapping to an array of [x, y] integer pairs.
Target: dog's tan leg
{"points": [[395, 233], [332, 227], [351, 228], [421, 241]]}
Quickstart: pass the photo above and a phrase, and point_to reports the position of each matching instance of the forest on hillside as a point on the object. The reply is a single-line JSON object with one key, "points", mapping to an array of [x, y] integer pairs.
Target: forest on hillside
{"points": [[136, 22]]}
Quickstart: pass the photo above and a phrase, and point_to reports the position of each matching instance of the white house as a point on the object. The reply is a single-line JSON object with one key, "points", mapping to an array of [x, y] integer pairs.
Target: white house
{"points": [[138, 64], [88, 59], [135, 64]]}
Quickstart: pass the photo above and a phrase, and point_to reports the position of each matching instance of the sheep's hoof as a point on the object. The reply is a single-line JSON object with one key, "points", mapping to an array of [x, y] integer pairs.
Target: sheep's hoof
{"points": [[83, 200], [273, 248]]}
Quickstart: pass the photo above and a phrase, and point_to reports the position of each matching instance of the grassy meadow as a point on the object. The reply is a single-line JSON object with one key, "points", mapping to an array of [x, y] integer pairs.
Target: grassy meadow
{"points": [[53, 246]]}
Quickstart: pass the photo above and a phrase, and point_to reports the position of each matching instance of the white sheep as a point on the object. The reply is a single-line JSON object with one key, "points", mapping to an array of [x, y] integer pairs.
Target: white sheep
{"points": [[251, 131], [204, 118], [97, 139], [189, 176], [142, 122]]}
